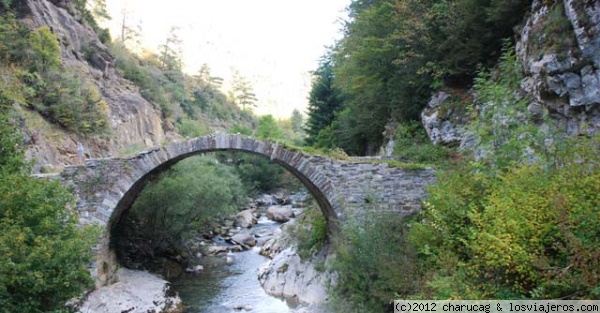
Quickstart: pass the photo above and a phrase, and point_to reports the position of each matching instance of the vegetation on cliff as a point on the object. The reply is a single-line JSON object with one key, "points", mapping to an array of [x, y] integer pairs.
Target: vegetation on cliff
{"points": [[33, 75]]}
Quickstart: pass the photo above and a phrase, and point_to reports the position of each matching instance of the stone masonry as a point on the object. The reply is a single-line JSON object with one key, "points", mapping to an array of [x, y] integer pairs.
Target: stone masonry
{"points": [[105, 188]]}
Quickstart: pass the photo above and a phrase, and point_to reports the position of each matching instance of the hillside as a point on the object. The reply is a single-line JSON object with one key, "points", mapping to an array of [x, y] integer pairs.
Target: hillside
{"points": [[68, 83]]}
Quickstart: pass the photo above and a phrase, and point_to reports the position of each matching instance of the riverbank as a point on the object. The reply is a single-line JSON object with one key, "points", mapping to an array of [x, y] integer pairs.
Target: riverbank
{"points": [[134, 292]]}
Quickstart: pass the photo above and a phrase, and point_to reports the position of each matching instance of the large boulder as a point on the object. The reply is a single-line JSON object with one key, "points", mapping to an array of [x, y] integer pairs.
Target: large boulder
{"points": [[245, 219], [280, 214], [244, 240], [135, 292], [288, 276]]}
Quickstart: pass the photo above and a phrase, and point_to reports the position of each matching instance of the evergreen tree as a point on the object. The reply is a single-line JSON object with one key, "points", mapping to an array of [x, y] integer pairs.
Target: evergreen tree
{"points": [[323, 102]]}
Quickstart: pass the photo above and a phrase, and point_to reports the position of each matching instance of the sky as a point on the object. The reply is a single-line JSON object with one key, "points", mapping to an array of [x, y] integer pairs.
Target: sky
{"points": [[273, 43]]}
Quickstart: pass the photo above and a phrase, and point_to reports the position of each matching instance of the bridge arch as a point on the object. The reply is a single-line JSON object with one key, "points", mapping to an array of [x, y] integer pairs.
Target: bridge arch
{"points": [[297, 163], [106, 188]]}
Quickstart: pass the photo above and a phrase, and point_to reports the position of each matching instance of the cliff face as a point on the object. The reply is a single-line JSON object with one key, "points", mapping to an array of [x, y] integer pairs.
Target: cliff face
{"points": [[559, 47], [134, 122]]}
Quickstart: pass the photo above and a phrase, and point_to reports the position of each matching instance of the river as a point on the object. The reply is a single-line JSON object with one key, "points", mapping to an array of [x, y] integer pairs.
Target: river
{"points": [[233, 287]]}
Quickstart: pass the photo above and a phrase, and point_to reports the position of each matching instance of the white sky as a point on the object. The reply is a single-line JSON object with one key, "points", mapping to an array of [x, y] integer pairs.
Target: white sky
{"points": [[274, 43]]}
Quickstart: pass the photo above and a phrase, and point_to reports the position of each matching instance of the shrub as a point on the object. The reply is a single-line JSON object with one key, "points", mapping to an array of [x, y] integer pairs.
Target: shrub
{"points": [[70, 101], [43, 253], [258, 173], [191, 128], [310, 232], [375, 263], [413, 145]]}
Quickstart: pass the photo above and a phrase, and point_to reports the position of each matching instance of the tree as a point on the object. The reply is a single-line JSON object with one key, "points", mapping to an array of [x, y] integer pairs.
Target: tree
{"points": [[297, 121], [241, 91], [99, 10], [268, 129], [45, 50], [129, 34], [323, 102], [43, 253], [170, 51]]}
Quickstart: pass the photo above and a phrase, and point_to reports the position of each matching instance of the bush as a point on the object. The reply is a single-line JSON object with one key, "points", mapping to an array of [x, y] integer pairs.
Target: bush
{"points": [[70, 101], [43, 253], [375, 263], [413, 145], [526, 232], [191, 128], [310, 232], [258, 173]]}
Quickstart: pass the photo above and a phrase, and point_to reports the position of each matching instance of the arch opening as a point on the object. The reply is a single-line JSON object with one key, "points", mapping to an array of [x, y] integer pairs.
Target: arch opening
{"points": [[310, 179]]}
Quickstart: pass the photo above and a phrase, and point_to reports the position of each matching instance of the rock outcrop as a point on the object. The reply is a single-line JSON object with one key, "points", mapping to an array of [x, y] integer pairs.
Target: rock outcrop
{"points": [[134, 122], [444, 120], [560, 49], [288, 276]]}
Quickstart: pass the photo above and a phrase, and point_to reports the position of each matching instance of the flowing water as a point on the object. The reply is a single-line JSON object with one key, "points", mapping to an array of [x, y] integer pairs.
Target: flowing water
{"points": [[223, 287]]}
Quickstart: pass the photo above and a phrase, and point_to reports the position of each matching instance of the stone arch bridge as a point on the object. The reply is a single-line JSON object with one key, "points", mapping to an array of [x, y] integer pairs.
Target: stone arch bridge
{"points": [[105, 188]]}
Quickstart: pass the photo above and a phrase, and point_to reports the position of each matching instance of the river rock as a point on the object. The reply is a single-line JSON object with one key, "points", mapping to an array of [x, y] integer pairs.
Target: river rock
{"points": [[280, 214], [287, 276], [246, 307], [265, 200], [244, 240], [214, 250], [195, 270], [135, 292], [245, 219]]}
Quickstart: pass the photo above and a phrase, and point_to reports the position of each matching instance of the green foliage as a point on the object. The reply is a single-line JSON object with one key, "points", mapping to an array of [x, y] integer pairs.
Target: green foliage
{"points": [[310, 232], [175, 208], [391, 56], [240, 129], [45, 53], [375, 264], [11, 154], [525, 232], [553, 33], [413, 145], [323, 101], [258, 174], [68, 100], [191, 128], [268, 129], [504, 131], [177, 95], [291, 129], [521, 222], [64, 98], [43, 253]]}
